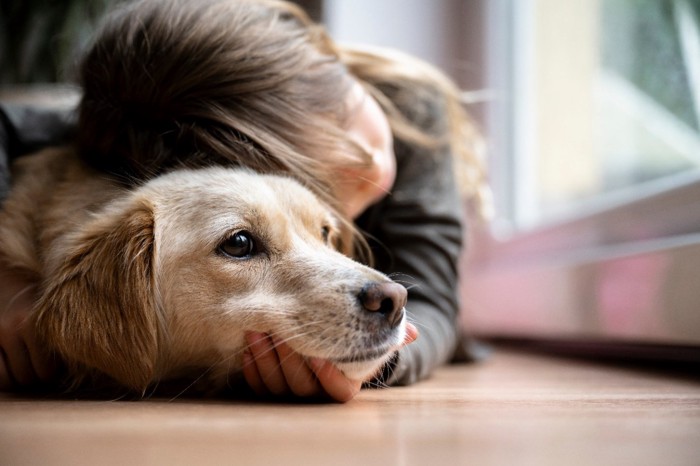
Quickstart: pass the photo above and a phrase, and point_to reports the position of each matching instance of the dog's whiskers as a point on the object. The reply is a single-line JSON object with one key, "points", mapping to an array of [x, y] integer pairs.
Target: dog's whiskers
{"points": [[152, 391], [419, 325]]}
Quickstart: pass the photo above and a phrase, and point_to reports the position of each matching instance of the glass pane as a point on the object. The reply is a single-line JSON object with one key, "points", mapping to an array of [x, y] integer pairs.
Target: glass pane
{"points": [[616, 86], [648, 120]]}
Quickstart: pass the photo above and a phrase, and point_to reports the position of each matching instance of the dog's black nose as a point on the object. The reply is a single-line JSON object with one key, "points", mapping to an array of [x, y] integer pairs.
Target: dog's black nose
{"points": [[387, 298]]}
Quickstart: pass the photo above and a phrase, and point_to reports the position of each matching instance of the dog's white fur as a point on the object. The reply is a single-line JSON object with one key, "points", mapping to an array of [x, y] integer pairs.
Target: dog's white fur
{"points": [[134, 283]]}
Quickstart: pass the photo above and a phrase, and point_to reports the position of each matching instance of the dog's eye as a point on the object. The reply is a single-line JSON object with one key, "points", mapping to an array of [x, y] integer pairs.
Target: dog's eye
{"points": [[240, 245], [325, 233]]}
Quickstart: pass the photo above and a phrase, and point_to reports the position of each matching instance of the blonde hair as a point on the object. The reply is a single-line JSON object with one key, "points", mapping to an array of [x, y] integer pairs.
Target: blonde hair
{"points": [[246, 82]]}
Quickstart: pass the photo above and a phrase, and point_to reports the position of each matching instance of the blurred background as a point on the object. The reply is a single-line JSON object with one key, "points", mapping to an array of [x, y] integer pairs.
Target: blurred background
{"points": [[591, 112]]}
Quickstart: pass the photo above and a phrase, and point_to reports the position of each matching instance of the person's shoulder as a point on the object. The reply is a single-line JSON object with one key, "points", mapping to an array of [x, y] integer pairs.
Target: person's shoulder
{"points": [[421, 103]]}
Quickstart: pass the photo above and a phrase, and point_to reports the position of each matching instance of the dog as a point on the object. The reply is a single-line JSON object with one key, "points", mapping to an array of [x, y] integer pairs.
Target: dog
{"points": [[161, 281]]}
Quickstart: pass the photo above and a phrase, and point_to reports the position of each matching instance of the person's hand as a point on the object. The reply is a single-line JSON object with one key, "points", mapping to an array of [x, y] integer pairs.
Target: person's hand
{"points": [[23, 362], [272, 368]]}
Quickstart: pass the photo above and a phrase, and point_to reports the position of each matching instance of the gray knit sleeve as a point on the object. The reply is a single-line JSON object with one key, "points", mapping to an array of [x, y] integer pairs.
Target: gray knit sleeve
{"points": [[417, 239], [25, 129]]}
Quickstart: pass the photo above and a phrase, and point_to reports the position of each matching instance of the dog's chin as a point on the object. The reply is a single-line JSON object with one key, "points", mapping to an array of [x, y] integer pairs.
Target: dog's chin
{"points": [[369, 363], [365, 365], [363, 370]]}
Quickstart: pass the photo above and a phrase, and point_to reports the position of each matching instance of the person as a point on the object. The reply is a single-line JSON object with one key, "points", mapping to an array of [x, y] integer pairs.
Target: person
{"points": [[379, 136]]}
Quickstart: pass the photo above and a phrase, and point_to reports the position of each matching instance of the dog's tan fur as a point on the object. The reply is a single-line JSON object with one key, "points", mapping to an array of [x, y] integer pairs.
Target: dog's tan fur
{"points": [[134, 286]]}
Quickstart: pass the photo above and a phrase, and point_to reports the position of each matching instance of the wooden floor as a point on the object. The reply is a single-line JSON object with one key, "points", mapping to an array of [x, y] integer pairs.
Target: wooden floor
{"points": [[513, 409]]}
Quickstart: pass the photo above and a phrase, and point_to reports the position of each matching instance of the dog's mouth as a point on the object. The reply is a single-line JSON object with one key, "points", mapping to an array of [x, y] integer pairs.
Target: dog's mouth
{"points": [[365, 356]]}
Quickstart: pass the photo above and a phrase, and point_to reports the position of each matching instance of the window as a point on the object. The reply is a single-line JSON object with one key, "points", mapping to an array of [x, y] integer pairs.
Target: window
{"points": [[603, 97], [595, 137]]}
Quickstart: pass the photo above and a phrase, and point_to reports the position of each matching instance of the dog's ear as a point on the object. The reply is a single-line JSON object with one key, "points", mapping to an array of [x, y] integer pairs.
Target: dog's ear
{"points": [[97, 309]]}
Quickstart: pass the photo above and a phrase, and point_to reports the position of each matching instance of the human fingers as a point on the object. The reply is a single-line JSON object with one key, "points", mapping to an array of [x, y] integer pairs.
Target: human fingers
{"points": [[301, 380], [252, 375], [16, 302], [334, 382], [262, 351], [17, 367], [6, 382], [45, 366], [18, 363]]}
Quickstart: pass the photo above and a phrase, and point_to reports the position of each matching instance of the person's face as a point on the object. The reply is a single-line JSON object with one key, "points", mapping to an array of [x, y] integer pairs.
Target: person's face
{"points": [[359, 188]]}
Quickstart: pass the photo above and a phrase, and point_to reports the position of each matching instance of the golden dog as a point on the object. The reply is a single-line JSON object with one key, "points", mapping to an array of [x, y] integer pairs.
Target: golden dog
{"points": [[161, 281]]}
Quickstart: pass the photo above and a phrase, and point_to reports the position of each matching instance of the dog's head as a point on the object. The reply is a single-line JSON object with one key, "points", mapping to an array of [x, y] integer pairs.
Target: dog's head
{"points": [[164, 282]]}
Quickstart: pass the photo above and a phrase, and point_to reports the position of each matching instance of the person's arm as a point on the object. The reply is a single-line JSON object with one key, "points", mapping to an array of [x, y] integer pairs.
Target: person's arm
{"points": [[420, 227], [28, 128], [22, 360], [418, 232], [4, 156]]}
